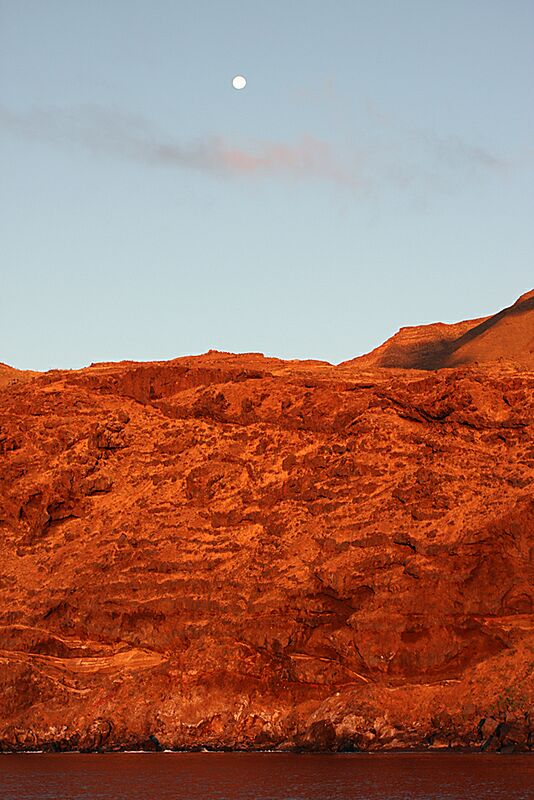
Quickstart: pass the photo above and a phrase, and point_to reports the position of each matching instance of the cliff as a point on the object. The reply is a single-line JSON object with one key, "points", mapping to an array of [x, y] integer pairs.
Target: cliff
{"points": [[232, 551], [506, 336]]}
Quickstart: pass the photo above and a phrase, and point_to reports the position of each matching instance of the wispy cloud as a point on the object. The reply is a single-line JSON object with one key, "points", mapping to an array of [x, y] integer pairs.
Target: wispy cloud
{"points": [[444, 150], [115, 133], [404, 158], [458, 153]]}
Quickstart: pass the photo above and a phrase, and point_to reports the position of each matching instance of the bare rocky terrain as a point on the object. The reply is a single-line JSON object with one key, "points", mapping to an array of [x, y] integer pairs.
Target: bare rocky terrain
{"points": [[507, 336], [232, 551]]}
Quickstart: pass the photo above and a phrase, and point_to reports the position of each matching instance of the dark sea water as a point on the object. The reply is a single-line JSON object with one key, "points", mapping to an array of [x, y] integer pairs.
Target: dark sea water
{"points": [[269, 776]]}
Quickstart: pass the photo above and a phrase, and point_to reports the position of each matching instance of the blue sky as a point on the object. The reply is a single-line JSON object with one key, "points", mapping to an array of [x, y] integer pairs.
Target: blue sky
{"points": [[376, 172]]}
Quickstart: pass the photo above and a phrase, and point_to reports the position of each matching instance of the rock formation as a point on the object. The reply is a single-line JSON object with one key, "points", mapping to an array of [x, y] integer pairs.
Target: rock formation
{"points": [[10, 375], [506, 336], [232, 551]]}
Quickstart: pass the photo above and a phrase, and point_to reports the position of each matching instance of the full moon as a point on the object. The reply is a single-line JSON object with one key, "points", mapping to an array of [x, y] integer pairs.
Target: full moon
{"points": [[239, 82]]}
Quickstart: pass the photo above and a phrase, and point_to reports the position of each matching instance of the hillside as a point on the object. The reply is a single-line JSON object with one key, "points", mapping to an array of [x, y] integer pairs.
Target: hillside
{"points": [[10, 375], [232, 551], [508, 335]]}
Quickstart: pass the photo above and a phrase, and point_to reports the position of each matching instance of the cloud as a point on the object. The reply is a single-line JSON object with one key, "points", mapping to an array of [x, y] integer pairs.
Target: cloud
{"points": [[115, 133], [407, 159], [457, 150], [450, 151], [308, 157]]}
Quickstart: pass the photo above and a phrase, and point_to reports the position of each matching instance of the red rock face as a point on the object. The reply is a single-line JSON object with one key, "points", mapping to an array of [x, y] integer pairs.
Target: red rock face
{"points": [[506, 336], [240, 552]]}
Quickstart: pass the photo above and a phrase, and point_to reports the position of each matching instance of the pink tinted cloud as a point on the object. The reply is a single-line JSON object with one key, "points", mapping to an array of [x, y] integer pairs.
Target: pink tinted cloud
{"points": [[403, 158], [115, 133], [308, 157]]}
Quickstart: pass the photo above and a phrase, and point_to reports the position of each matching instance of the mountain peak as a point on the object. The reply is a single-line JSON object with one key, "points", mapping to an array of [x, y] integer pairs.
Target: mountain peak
{"points": [[507, 335]]}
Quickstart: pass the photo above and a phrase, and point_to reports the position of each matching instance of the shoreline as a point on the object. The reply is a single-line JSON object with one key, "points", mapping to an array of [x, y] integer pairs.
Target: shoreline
{"points": [[294, 752]]}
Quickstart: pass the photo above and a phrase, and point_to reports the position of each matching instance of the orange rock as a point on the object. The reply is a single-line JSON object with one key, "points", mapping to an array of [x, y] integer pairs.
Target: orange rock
{"points": [[507, 336], [232, 551]]}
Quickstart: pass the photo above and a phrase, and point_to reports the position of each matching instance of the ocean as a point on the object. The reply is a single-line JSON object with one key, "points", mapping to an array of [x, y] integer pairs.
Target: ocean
{"points": [[266, 776]]}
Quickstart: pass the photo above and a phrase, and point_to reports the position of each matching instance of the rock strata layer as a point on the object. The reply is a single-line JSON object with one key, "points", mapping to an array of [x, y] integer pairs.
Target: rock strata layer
{"points": [[240, 552]]}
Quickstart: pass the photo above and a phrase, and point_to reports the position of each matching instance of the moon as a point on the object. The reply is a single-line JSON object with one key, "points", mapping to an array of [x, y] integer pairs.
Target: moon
{"points": [[239, 82]]}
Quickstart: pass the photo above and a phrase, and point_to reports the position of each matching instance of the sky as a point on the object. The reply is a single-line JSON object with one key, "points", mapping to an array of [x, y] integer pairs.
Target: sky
{"points": [[376, 172]]}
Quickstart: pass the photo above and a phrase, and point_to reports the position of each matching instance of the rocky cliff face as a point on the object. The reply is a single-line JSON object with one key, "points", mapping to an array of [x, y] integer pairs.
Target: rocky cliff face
{"points": [[240, 552], [507, 336]]}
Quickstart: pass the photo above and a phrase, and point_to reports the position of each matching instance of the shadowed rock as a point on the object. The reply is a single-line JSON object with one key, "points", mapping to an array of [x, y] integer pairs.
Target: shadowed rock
{"points": [[508, 335]]}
